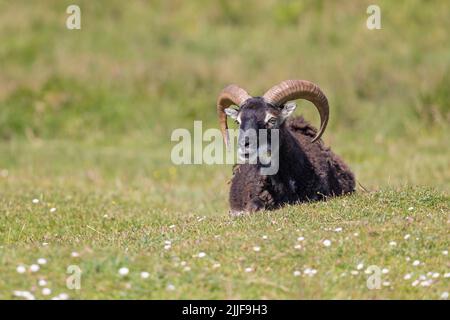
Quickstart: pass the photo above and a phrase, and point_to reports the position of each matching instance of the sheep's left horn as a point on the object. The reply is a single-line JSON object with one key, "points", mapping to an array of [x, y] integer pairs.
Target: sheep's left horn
{"points": [[300, 89], [231, 95]]}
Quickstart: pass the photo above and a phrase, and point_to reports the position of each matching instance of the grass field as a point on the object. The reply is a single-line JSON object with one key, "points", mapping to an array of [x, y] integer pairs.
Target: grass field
{"points": [[85, 172]]}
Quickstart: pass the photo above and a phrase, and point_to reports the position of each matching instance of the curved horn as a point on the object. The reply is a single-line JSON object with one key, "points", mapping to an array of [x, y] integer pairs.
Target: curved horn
{"points": [[300, 89], [231, 95]]}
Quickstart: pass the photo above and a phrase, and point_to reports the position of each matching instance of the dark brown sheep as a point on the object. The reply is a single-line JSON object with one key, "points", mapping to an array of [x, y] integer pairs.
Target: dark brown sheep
{"points": [[307, 170]]}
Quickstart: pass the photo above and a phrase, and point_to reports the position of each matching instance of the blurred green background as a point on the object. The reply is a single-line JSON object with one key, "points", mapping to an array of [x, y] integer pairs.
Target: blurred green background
{"points": [[136, 71]]}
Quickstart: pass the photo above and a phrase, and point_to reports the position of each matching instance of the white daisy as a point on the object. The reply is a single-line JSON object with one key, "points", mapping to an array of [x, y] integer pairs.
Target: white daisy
{"points": [[34, 268], [170, 287], [124, 271], [46, 291], [42, 282], [327, 243]]}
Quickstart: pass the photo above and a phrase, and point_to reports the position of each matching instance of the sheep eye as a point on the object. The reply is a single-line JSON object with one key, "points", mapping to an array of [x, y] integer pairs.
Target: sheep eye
{"points": [[272, 121]]}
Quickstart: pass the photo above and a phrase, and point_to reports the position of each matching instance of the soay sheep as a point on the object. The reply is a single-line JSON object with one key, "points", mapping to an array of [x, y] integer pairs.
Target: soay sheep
{"points": [[308, 170]]}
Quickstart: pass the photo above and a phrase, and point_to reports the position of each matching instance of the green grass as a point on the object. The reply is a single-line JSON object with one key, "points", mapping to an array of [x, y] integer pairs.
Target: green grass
{"points": [[85, 124]]}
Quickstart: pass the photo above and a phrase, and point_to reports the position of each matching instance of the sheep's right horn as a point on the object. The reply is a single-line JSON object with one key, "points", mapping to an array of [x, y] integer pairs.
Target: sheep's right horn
{"points": [[300, 89], [231, 95]]}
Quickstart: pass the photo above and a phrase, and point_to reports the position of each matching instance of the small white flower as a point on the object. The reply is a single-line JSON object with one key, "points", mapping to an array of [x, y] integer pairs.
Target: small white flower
{"points": [[265, 237], [167, 246], [407, 276], [385, 271], [422, 277], [360, 266], [63, 296], [42, 261], [53, 210], [21, 269], [45, 244], [256, 249], [327, 243], [410, 208], [426, 283], [415, 283], [145, 274], [46, 291], [171, 226], [105, 216], [297, 273], [186, 269], [34, 268], [435, 275], [300, 238], [447, 275], [216, 265], [201, 254], [248, 270], [445, 252], [168, 242], [356, 234], [354, 272], [124, 271], [183, 263], [407, 236], [386, 283], [42, 282], [339, 229], [416, 262], [75, 254], [24, 294], [170, 287], [444, 295], [298, 246], [392, 243], [35, 201]]}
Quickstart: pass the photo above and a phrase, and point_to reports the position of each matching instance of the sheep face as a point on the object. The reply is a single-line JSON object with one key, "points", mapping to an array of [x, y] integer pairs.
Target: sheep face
{"points": [[257, 119]]}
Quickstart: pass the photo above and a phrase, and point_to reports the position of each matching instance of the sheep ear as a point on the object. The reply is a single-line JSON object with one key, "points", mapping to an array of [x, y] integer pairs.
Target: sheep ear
{"points": [[232, 113], [287, 110]]}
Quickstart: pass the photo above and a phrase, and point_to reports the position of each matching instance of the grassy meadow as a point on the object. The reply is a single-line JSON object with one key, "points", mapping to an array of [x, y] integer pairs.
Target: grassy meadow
{"points": [[86, 177]]}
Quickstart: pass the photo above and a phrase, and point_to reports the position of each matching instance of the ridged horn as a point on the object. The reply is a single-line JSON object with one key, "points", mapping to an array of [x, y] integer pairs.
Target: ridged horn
{"points": [[231, 95], [300, 89]]}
